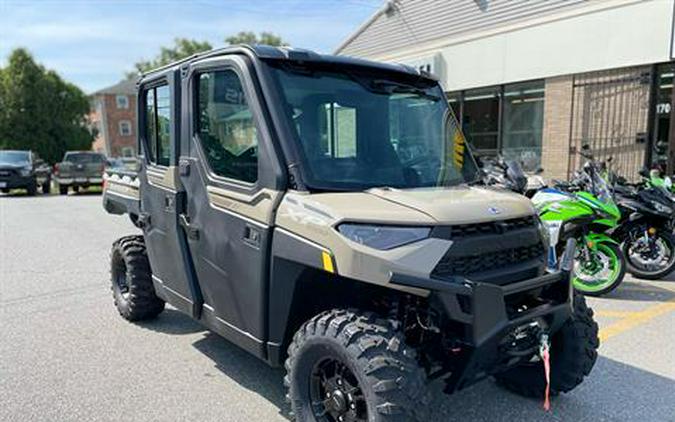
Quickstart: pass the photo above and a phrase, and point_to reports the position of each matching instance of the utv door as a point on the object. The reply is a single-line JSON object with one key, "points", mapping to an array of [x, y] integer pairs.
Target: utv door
{"points": [[230, 181], [162, 196]]}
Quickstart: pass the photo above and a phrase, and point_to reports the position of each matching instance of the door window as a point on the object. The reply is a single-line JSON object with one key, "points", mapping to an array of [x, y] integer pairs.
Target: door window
{"points": [[225, 126], [157, 124]]}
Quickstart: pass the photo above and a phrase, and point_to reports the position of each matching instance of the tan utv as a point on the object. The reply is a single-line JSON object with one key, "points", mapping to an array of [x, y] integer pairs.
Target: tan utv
{"points": [[325, 212]]}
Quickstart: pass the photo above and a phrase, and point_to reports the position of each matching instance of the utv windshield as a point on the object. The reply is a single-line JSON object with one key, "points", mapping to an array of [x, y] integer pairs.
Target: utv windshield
{"points": [[14, 157], [360, 130]]}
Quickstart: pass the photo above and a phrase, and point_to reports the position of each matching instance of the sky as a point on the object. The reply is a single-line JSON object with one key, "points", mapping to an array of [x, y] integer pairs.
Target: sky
{"points": [[92, 43]]}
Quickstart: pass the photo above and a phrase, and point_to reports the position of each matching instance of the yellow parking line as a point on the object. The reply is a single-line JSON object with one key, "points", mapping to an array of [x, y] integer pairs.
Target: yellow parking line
{"points": [[636, 319], [615, 314]]}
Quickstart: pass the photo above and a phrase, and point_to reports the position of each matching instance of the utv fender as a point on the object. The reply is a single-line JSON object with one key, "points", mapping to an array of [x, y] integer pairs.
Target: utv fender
{"points": [[303, 282]]}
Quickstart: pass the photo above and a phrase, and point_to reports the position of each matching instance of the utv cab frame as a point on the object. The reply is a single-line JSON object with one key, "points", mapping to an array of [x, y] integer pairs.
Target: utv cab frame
{"points": [[323, 210]]}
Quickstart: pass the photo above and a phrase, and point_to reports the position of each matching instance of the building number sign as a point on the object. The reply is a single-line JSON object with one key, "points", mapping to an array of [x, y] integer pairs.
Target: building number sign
{"points": [[663, 108]]}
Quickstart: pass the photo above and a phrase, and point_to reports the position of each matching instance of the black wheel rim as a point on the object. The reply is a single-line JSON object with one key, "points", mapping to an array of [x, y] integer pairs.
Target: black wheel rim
{"points": [[335, 393], [654, 257], [121, 281]]}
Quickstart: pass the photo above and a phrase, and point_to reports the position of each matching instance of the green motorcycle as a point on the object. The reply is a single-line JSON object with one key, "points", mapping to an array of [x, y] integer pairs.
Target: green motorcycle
{"points": [[569, 213]]}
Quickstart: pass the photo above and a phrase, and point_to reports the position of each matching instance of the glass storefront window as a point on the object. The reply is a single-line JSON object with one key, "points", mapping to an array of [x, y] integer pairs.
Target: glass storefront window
{"points": [[454, 99], [664, 94], [520, 107], [480, 119], [522, 123]]}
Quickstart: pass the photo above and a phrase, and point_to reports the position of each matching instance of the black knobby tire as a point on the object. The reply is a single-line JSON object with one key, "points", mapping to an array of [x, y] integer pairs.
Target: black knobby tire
{"points": [[31, 190], [669, 239], [46, 188], [574, 350], [63, 190], [392, 386], [131, 277]]}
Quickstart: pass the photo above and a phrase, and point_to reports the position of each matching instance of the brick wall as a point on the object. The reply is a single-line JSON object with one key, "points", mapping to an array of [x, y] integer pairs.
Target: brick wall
{"points": [[114, 116], [556, 132]]}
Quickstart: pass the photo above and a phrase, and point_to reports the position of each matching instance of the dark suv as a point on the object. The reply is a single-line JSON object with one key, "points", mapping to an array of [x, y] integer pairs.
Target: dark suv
{"points": [[23, 170]]}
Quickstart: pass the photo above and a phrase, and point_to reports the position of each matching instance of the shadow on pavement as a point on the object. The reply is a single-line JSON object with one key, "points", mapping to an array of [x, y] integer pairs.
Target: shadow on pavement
{"points": [[248, 371], [172, 321], [614, 391], [641, 292], [19, 194]]}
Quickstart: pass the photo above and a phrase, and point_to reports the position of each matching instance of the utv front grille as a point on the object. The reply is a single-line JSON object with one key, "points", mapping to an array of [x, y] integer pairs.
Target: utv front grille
{"points": [[497, 227], [486, 262], [499, 252]]}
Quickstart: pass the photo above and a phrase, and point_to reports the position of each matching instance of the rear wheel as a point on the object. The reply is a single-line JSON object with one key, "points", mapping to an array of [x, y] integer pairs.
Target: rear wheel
{"points": [[31, 189], [602, 273], [346, 366], [574, 350], [46, 187], [63, 189], [650, 259], [131, 277]]}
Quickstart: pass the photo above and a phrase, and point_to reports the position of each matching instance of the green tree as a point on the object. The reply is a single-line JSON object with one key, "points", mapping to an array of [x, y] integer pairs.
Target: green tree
{"points": [[249, 37], [40, 111], [182, 48]]}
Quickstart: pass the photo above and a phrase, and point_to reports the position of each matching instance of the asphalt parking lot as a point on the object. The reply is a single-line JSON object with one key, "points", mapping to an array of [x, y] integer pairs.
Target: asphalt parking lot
{"points": [[66, 355]]}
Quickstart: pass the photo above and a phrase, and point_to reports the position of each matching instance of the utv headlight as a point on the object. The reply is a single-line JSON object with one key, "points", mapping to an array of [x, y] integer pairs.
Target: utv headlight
{"points": [[383, 237], [25, 172]]}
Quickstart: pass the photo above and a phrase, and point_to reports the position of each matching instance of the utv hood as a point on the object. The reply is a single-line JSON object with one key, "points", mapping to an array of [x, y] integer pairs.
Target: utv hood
{"points": [[460, 205]]}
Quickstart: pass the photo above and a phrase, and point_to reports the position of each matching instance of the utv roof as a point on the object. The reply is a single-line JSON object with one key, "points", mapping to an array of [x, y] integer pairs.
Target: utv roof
{"points": [[266, 52]]}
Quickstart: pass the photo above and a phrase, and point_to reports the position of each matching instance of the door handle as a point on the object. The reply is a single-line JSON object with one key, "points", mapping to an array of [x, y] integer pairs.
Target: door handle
{"points": [[190, 229], [252, 236]]}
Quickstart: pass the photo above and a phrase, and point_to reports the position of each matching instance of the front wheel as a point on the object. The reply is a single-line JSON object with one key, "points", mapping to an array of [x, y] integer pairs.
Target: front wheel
{"points": [[347, 366], [63, 189], [600, 274], [574, 350], [651, 258]]}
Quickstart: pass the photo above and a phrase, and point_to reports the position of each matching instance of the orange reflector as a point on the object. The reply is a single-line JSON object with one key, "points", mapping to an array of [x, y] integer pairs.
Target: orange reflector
{"points": [[590, 243], [327, 262], [652, 231]]}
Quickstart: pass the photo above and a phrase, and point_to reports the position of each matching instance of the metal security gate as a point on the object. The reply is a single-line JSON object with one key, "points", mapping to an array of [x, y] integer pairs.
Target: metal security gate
{"points": [[610, 113]]}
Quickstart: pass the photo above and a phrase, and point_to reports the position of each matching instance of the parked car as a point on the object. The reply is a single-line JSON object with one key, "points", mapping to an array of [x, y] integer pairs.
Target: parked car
{"points": [[79, 169], [366, 258], [21, 169]]}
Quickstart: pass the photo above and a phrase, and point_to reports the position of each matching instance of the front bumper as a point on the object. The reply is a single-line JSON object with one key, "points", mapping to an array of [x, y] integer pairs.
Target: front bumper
{"points": [[16, 181], [487, 314], [78, 181]]}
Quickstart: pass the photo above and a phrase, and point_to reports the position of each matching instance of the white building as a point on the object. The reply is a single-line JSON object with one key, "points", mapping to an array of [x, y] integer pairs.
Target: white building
{"points": [[536, 79]]}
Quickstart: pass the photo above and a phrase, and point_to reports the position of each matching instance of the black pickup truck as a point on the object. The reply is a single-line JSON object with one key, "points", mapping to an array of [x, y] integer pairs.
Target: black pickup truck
{"points": [[21, 169]]}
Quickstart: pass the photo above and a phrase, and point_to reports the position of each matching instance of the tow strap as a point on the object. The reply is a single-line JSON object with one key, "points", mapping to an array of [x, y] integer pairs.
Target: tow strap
{"points": [[545, 355]]}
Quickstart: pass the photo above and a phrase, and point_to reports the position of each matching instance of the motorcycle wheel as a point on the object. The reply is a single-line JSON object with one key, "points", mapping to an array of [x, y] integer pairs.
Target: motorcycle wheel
{"points": [[603, 274], [651, 264]]}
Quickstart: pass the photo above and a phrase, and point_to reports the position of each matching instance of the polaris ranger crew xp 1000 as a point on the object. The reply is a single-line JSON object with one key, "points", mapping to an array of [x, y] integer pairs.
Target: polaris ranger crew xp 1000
{"points": [[325, 212]]}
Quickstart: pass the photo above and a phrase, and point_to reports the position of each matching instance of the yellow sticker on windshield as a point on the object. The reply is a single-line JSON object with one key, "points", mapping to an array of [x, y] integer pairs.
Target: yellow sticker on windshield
{"points": [[458, 148]]}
